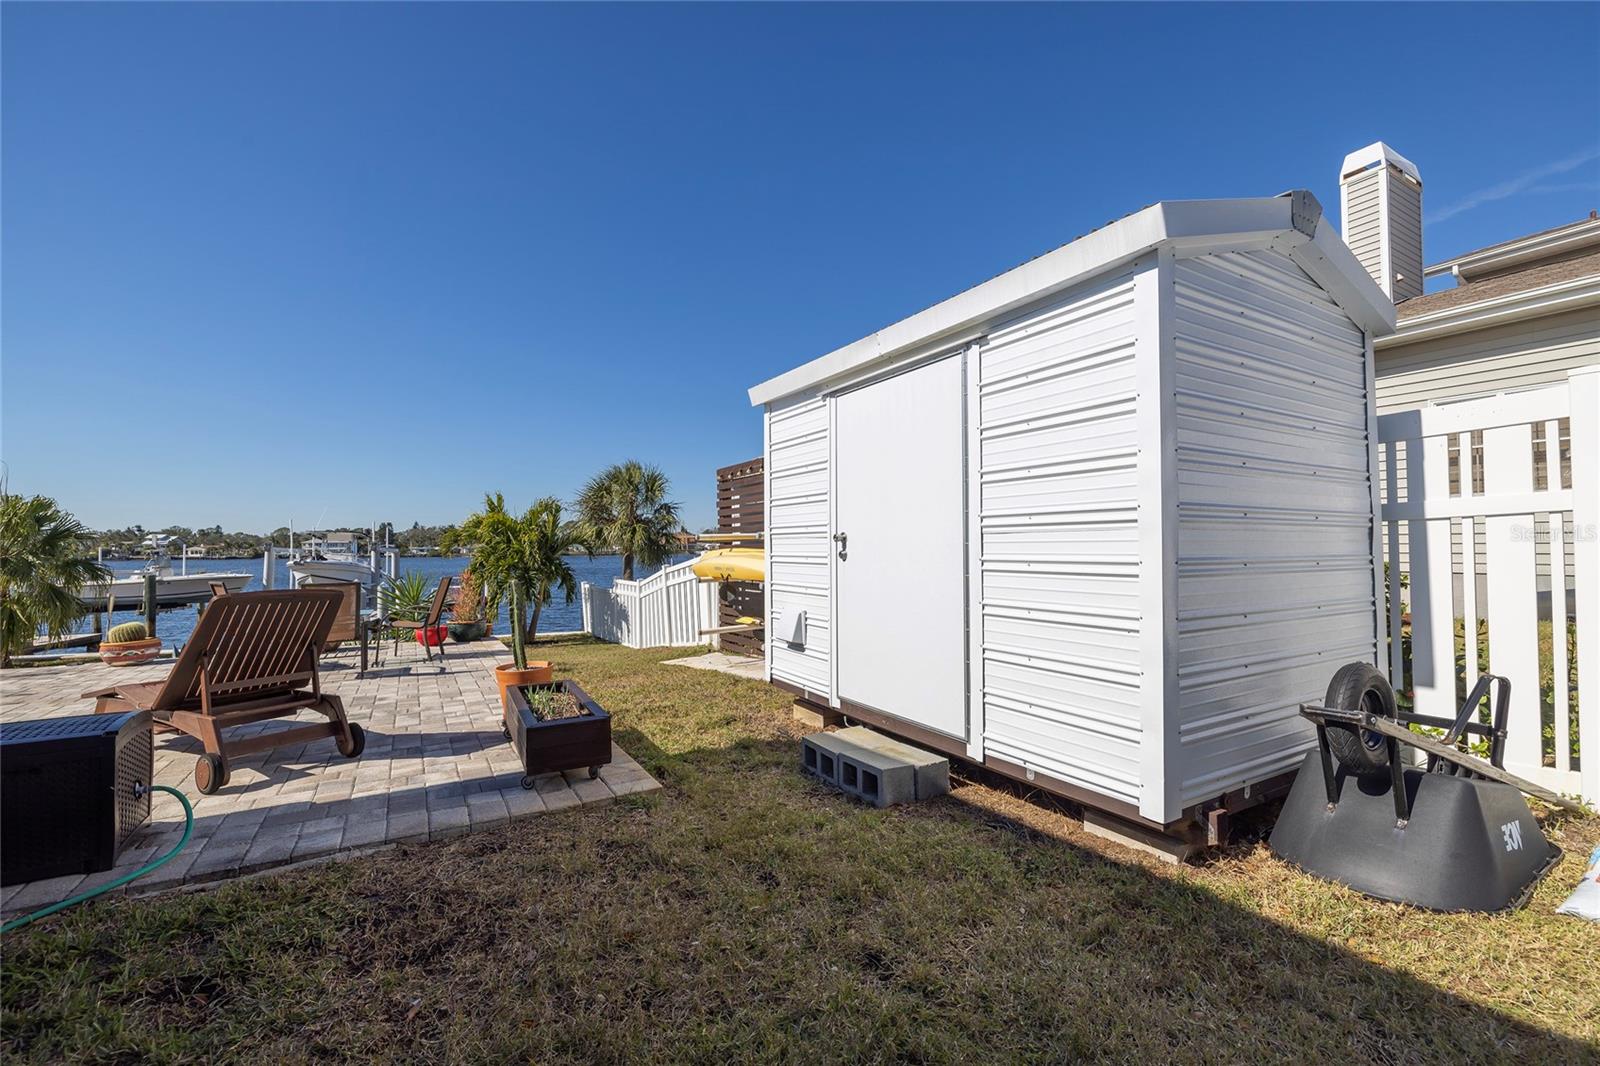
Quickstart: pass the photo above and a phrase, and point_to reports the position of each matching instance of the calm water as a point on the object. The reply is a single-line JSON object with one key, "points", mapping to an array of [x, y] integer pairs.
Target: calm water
{"points": [[173, 627]]}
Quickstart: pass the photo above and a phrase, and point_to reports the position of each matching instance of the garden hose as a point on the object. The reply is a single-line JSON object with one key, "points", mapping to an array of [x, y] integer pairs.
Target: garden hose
{"points": [[188, 827]]}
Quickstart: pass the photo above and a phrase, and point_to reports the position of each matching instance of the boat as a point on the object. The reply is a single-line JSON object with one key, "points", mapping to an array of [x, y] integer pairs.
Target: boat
{"points": [[172, 589], [337, 556]]}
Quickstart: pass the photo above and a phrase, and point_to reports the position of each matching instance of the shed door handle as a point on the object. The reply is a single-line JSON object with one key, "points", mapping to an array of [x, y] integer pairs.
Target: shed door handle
{"points": [[843, 540]]}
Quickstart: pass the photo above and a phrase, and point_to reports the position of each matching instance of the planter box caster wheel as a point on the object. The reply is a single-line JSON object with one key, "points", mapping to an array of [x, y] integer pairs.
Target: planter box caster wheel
{"points": [[210, 774], [528, 781], [358, 742], [505, 732], [594, 772]]}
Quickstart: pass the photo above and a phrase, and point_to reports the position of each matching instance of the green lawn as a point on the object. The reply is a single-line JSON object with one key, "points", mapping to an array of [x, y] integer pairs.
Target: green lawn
{"points": [[746, 914]]}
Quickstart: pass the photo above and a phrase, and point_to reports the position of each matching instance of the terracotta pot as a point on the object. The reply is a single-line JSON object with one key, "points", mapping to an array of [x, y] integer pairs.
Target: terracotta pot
{"points": [[509, 677], [129, 652]]}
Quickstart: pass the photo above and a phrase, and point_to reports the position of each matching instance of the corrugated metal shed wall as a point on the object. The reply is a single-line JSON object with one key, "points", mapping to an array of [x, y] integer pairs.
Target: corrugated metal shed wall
{"points": [[1059, 527], [1275, 581], [797, 541]]}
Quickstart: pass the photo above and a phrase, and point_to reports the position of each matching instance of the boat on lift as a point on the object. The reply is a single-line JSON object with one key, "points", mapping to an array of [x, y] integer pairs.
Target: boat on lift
{"points": [[173, 589], [337, 556]]}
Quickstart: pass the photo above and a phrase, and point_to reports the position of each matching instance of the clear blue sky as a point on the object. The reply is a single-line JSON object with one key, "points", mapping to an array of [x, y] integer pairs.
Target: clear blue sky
{"points": [[274, 262]]}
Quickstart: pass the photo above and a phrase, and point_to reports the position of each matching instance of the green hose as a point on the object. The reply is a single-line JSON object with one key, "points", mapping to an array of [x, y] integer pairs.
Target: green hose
{"points": [[188, 827]]}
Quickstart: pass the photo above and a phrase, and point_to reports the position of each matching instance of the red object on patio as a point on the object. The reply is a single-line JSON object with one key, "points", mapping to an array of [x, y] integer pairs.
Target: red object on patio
{"points": [[433, 637]]}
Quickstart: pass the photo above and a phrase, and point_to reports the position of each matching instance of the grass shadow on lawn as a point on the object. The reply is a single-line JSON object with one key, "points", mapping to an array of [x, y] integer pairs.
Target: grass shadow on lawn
{"points": [[747, 913]]}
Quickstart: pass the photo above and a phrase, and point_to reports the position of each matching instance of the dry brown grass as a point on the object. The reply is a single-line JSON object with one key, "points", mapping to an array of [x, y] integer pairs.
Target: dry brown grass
{"points": [[746, 914]]}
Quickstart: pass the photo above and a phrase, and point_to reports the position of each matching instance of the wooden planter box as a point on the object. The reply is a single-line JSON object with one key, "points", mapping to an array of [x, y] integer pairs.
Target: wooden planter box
{"points": [[561, 743]]}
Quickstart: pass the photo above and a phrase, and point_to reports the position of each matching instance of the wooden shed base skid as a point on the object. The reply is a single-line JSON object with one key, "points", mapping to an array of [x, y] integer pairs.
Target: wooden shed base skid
{"points": [[1201, 825]]}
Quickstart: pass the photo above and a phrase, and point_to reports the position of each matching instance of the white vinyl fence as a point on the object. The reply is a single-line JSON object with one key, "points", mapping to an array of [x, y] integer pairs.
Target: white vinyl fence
{"points": [[1491, 512], [667, 609]]}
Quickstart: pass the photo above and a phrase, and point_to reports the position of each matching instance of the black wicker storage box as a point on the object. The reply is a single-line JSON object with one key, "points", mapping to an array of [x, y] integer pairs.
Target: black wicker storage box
{"points": [[72, 791]]}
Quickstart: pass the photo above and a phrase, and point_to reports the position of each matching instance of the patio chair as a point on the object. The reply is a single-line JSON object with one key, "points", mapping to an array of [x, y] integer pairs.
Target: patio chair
{"points": [[252, 657], [348, 619], [435, 612]]}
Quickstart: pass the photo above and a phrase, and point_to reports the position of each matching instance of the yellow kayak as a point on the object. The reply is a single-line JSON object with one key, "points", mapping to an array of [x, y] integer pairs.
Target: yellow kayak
{"points": [[732, 564]]}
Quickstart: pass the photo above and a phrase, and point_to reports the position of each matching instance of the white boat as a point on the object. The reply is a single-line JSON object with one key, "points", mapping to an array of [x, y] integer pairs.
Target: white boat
{"points": [[172, 589], [337, 557]]}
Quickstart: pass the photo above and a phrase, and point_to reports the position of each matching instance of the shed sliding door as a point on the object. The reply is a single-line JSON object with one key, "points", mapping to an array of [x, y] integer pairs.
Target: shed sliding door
{"points": [[899, 526]]}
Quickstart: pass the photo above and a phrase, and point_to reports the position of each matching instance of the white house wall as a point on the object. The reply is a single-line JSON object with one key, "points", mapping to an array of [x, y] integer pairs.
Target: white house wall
{"points": [[1058, 595], [797, 542], [1275, 582]]}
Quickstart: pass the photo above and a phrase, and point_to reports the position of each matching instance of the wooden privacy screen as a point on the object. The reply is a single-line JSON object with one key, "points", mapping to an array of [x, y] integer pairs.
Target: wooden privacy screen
{"points": [[742, 507]]}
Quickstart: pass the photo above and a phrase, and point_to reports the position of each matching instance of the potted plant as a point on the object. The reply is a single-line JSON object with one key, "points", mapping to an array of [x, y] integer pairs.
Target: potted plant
{"points": [[129, 644], [467, 621], [519, 671], [522, 557], [557, 726]]}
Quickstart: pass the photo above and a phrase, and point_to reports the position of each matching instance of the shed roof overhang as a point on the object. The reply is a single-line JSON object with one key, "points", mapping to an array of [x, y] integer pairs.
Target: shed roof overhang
{"points": [[1293, 223]]}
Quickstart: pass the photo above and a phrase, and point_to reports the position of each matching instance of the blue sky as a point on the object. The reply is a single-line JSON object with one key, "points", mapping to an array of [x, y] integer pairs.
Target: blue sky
{"points": [[265, 263]]}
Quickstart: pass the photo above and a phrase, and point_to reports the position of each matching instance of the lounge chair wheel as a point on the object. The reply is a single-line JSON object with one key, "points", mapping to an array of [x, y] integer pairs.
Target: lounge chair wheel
{"points": [[594, 772], [358, 742], [210, 774], [528, 782]]}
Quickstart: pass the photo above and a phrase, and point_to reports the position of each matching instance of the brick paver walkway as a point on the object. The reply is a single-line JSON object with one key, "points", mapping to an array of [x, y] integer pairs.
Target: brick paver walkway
{"points": [[435, 766]]}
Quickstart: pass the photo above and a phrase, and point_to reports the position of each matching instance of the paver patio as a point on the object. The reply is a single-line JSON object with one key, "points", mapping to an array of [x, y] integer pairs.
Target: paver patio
{"points": [[435, 766]]}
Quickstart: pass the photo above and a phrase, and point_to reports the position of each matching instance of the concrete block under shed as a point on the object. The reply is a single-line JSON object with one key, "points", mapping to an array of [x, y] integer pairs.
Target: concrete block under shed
{"points": [[874, 768]]}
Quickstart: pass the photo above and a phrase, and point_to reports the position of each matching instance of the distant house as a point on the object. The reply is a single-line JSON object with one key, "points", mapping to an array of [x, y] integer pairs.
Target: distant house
{"points": [[1488, 397], [1522, 312]]}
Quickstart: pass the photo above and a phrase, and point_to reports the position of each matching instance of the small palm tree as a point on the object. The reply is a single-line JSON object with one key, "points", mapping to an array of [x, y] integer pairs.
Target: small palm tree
{"points": [[44, 566], [625, 508], [530, 549]]}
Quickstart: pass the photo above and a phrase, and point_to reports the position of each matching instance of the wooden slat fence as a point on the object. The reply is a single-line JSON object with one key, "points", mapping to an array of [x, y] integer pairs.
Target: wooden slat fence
{"points": [[741, 508]]}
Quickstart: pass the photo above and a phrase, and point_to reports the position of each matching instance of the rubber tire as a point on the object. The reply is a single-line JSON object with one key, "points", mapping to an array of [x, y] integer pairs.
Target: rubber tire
{"points": [[594, 772], [357, 745], [528, 782], [505, 732], [1360, 686], [210, 774]]}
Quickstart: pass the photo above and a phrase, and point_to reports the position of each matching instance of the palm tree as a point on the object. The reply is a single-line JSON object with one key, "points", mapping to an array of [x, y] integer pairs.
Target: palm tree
{"points": [[530, 549], [43, 568], [625, 508]]}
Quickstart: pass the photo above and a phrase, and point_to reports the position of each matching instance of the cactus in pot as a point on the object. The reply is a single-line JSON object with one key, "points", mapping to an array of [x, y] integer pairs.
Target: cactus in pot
{"points": [[128, 644], [520, 671], [127, 632], [468, 619]]}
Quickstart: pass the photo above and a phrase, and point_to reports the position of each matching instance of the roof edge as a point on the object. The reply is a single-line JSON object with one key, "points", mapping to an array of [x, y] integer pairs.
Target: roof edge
{"points": [[1187, 224]]}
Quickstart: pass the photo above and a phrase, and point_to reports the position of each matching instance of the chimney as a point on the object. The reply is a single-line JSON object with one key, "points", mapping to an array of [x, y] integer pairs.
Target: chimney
{"points": [[1380, 203]]}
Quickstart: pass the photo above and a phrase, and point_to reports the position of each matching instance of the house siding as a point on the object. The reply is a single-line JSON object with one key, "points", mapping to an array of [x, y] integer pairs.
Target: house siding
{"points": [[1518, 355]]}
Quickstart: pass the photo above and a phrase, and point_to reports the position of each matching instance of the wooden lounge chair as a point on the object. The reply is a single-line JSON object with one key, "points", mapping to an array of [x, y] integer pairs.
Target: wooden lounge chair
{"points": [[252, 656], [218, 589], [435, 612]]}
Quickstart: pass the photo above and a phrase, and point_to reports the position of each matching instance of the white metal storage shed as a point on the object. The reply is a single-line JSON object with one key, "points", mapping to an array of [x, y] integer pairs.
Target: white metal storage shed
{"points": [[1100, 522]]}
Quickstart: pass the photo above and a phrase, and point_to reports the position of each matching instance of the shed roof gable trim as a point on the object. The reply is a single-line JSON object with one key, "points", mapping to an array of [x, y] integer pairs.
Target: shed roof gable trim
{"points": [[1294, 221]]}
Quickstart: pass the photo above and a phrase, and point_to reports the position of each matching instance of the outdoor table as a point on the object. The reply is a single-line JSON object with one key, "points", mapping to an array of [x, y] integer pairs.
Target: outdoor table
{"points": [[369, 624]]}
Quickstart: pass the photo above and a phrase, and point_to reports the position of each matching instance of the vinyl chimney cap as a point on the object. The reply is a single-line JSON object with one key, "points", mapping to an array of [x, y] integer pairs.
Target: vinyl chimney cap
{"points": [[1375, 154]]}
